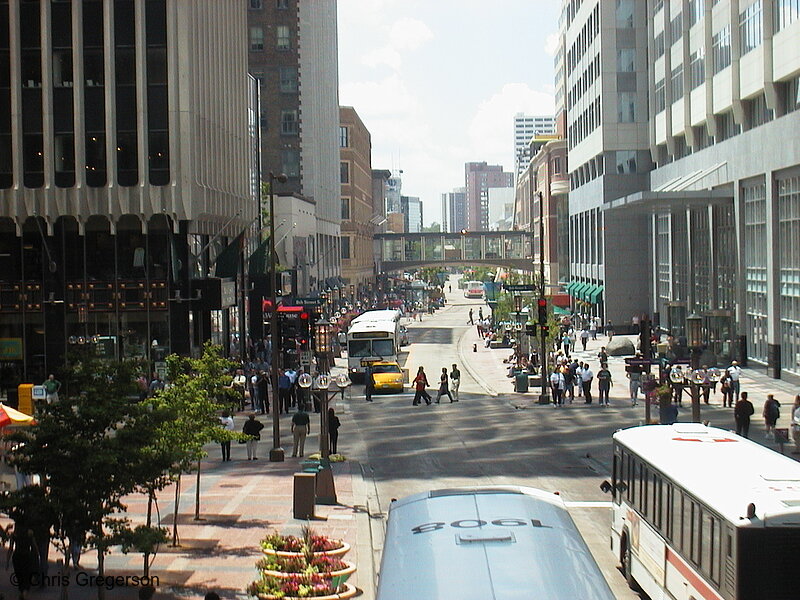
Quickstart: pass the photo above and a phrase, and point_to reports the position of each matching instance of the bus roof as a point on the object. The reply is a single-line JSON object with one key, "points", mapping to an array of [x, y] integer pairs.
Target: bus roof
{"points": [[721, 469], [501, 542], [364, 326], [378, 315]]}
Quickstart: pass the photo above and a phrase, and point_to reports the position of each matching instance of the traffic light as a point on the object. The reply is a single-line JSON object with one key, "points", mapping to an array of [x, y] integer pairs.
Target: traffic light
{"points": [[293, 334], [542, 305]]}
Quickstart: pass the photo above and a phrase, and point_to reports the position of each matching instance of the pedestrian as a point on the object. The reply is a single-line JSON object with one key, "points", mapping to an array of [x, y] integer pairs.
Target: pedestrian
{"points": [[771, 414], [455, 381], [470, 317], [255, 396], [584, 338], [333, 431], [252, 428], [604, 384], [263, 393], [284, 392], [226, 420], [557, 384], [796, 424], [586, 382], [301, 427], [24, 558], [51, 387], [672, 414], [239, 384], [569, 382], [565, 342], [443, 386], [593, 329], [420, 383], [602, 356], [156, 384], [449, 288], [369, 383], [292, 375], [734, 372], [742, 412], [634, 373], [480, 313], [725, 388], [610, 330], [706, 384]]}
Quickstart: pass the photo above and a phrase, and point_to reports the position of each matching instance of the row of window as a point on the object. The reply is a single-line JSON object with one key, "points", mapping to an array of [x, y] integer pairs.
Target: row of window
{"points": [[283, 38], [786, 13], [587, 122], [700, 535], [287, 79], [589, 76], [591, 169], [589, 31], [259, 4]]}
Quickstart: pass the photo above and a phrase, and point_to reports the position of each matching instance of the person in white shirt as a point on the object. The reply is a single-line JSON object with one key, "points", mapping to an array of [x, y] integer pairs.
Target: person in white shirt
{"points": [[557, 383], [586, 381], [226, 420], [584, 337], [734, 372], [593, 328]]}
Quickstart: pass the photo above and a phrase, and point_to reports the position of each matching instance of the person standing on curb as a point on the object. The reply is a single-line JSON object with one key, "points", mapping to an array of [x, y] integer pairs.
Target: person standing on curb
{"points": [[301, 427], [252, 428], [455, 379], [558, 384], [796, 424], [443, 386], [226, 420], [333, 430], [603, 384], [369, 383], [742, 412], [420, 383], [771, 414]]}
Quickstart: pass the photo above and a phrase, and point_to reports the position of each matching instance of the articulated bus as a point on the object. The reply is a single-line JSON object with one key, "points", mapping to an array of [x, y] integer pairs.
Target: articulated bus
{"points": [[499, 542], [371, 341], [474, 289], [701, 513]]}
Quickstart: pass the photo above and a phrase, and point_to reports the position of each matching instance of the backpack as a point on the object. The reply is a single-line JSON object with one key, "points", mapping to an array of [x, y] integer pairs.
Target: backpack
{"points": [[774, 411]]}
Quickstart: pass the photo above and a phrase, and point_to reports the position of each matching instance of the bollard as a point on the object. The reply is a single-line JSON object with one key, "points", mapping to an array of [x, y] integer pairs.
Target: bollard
{"points": [[305, 491], [474, 347]]}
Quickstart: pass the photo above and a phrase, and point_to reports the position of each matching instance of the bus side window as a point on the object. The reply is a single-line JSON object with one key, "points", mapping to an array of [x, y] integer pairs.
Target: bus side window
{"points": [[686, 536], [716, 551], [667, 513], [631, 480]]}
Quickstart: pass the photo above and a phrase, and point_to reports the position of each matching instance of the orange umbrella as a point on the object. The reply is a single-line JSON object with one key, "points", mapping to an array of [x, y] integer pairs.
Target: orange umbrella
{"points": [[11, 416]]}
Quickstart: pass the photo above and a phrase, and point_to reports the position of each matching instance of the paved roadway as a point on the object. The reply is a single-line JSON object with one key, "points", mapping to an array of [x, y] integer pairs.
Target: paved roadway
{"points": [[485, 438]]}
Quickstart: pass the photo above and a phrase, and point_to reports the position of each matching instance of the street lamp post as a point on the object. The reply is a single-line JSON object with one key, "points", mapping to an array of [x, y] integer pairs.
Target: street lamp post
{"points": [[544, 397], [276, 454]]}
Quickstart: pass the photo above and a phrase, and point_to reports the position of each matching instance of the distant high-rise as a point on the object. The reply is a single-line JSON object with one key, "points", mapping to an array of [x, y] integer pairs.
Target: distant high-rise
{"points": [[525, 127], [411, 207], [394, 186], [454, 210], [479, 177]]}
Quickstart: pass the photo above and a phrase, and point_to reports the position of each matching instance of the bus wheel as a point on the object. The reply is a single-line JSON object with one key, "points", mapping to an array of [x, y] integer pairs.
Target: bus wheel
{"points": [[625, 563]]}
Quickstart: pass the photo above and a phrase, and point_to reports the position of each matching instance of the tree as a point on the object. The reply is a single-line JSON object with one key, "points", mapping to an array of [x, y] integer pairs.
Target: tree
{"points": [[432, 228], [198, 390]]}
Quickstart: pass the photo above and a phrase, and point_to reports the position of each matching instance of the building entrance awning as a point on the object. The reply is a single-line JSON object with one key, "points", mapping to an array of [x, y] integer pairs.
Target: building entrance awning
{"points": [[595, 294], [651, 201]]}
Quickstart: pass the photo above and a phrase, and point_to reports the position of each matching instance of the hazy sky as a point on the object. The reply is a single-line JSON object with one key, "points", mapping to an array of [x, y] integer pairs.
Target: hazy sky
{"points": [[437, 82]]}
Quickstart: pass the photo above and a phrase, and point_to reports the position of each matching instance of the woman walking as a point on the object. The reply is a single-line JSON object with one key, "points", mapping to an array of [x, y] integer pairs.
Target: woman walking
{"points": [[420, 383], [443, 386], [771, 414], [333, 430]]}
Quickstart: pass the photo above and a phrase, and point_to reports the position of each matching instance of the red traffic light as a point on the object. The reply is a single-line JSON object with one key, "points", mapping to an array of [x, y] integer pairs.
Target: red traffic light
{"points": [[304, 316], [541, 303]]}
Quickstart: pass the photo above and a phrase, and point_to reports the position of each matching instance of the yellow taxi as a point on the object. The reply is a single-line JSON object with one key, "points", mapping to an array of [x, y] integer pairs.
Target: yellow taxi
{"points": [[388, 376]]}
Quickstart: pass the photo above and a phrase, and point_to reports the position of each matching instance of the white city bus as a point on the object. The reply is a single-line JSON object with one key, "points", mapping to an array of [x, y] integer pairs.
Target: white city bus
{"points": [[499, 542], [392, 314], [701, 513], [474, 289], [371, 341]]}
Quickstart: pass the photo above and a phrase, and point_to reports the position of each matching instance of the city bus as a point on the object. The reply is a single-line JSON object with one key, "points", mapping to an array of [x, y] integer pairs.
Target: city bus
{"points": [[379, 315], [702, 513], [371, 341], [501, 542], [473, 289]]}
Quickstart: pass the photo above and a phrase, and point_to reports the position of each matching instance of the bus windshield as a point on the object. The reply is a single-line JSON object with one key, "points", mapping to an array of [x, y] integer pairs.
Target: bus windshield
{"points": [[359, 348], [365, 348], [382, 348]]}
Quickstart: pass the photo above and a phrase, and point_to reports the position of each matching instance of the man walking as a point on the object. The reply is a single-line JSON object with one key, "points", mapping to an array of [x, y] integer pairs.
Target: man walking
{"points": [[455, 379], [586, 379], [603, 384], [284, 391], [584, 338], [420, 383], [444, 387], [301, 427], [470, 317], [557, 383], [742, 412], [634, 373], [369, 383], [734, 372], [252, 428]]}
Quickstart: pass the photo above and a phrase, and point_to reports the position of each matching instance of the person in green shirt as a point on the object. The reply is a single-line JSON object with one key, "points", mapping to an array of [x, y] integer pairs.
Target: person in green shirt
{"points": [[51, 387]]}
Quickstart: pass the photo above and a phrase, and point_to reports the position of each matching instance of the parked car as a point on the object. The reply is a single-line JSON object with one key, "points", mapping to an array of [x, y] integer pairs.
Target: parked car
{"points": [[388, 377]]}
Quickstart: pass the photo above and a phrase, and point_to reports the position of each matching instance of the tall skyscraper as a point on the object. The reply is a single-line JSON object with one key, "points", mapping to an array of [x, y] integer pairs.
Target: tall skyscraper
{"points": [[293, 52], [411, 207], [525, 128], [454, 210], [479, 177]]}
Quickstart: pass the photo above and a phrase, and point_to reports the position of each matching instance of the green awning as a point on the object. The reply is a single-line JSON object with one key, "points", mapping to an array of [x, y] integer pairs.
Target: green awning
{"points": [[595, 294], [561, 311], [580, 291], [572, 288], [227, 264]]}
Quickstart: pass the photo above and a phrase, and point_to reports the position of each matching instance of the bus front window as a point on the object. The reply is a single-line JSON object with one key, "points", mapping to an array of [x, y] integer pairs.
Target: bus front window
{"points": [[382, 348], [358, 348]]}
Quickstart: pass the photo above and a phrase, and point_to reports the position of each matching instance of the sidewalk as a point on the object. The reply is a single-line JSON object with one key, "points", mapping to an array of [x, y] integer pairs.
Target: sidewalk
{"points": [[241, 501]]}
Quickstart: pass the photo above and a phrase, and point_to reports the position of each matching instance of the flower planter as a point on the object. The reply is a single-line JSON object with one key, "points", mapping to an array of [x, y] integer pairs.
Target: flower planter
{"points": [[348, 592], [338, 552], [337, 577]]}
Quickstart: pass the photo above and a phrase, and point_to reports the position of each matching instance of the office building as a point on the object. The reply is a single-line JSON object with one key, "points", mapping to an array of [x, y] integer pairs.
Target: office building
{"points": [[525, 128], [127, 197], [411, 207], [479, 177], [454, 210]]}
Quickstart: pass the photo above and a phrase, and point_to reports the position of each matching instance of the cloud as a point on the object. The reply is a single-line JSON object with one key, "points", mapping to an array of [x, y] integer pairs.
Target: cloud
{"points": [[387, 97], [491, 130], [405, 35], [551, 44]]}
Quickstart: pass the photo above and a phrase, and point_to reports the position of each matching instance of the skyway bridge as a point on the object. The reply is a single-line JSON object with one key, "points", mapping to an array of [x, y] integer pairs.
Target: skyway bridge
{"points": [[403, 251]]}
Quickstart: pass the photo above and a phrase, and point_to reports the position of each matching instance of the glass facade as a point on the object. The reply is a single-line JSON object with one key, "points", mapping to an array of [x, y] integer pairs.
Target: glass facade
{"points": [[726, 255], [680, 257], [701, 258], [755, 268], [663, 260], [789, 264]]}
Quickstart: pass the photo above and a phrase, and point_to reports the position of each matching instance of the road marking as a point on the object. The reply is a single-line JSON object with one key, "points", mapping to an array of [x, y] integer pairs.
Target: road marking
{"points": [[589, 504]]}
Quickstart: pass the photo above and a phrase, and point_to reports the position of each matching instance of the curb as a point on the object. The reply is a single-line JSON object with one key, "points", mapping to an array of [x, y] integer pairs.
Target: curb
{"points": [[479, 380]]}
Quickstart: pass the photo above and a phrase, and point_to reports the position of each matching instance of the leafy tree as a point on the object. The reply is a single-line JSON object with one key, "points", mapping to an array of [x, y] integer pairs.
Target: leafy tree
{"points": [[432, 228]]}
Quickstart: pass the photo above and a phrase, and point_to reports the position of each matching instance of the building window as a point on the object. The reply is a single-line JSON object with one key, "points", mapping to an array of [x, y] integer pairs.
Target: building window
{"points": [[789, 261], [660, 96], [696, 8], [677, 83], [289, 123], [256, 4], [755, 261], [345, 246], [658, 44], [624, 14], [750, 27], [626, 161], [288, 79], [344, 137], [556, 166], [626, 60], [345, 209], [790, 94], [284, 37], [697, 68], [626, 107], [757, 112], [721, 49], [344, 172], [676, 29], [291, 162], [786, 13], [256, 38], [282, 4], [726, 126]]}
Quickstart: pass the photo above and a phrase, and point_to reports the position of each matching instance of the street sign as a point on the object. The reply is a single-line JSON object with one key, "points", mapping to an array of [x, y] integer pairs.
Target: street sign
{"points": [[305, 357], [528, 287], [308, 301]]}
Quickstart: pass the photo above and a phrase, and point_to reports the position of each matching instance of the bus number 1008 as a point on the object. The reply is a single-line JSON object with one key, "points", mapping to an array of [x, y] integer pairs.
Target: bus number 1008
{"points": [[475, 523]]}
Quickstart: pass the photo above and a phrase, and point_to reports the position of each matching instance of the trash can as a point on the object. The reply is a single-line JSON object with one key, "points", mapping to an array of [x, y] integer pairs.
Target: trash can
{"points": [[521, 382], [305, 491]]}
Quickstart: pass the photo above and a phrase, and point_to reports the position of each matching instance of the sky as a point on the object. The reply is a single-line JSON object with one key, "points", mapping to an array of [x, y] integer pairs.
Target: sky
{"points": [[437, 83]]}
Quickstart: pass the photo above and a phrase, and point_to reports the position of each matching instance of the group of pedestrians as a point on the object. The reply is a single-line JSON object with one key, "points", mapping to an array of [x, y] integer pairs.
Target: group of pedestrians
{"points": [[448, 386], [571, 379]]}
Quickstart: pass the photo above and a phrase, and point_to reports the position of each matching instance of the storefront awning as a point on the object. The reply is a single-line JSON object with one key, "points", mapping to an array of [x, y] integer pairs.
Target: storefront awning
{"points": [[561, 311], [595, 294], [580, 291]]}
